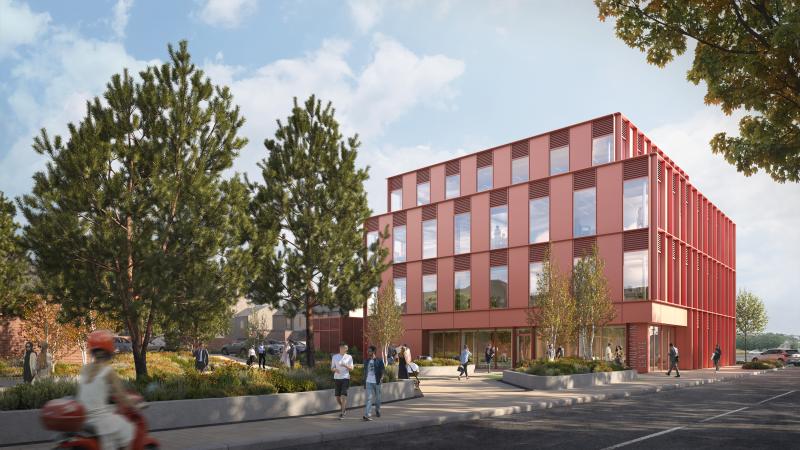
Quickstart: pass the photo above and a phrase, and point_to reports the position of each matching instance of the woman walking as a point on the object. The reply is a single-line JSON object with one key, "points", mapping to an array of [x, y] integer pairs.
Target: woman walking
{"points": [[403, 358], [464, 360], [715, 357], [488, 355], [44, 363]]}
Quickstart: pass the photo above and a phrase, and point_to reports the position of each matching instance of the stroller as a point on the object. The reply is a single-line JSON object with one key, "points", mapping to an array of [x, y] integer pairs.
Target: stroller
{"points": [[413, 371]]}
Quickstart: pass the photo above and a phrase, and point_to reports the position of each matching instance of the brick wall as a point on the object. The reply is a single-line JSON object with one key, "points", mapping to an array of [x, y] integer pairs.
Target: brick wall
{"points": [[12, 344], [637, 346]]}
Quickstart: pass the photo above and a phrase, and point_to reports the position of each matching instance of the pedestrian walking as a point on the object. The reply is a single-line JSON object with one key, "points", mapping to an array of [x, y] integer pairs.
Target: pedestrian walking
{"points": [[262, 356], [28, 363], [559, 352], [551, 353], [715, 357], [374, 369], [44, 363], [285, 356], [618, 356], [609, 353], [200, 358], [673, 361], [488, 355], [292, 354], [251, 356], [463, 360], [403, 358], [341, 365]]}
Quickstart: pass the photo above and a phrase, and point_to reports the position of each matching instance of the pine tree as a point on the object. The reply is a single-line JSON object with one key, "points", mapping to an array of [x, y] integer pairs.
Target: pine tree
{"points": [[132, 217], [384, 322], [309, 215], [593, 306], [553, 314], [14, 296]]}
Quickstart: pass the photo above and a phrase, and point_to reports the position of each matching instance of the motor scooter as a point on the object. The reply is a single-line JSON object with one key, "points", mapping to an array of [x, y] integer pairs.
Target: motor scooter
{"points": [[68, 417]]}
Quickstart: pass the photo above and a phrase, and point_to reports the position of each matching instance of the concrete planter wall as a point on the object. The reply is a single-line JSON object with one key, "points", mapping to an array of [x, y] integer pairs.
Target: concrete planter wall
{"points": [[526, 381], [443, 371], [23, 426]]}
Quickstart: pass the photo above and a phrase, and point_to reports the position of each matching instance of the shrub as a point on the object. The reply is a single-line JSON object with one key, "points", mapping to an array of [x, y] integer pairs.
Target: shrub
{"points": [[762, 365], [66, 370], [10, 368], [437, 362], [567, 366], [31, 396]]}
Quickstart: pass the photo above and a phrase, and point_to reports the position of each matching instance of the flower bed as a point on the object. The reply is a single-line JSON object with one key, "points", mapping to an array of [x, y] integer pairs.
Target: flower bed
{"points": [[10, 369], [567, 366], [762, 365], [173, 377]]}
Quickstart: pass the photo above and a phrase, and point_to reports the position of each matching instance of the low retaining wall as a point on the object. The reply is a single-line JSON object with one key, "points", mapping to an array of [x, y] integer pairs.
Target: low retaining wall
{"points": [[443, 371], [557, 382], [23, 426]]}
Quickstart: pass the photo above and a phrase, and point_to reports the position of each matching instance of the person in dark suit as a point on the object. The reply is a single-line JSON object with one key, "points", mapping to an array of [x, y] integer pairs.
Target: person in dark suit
{"points": [[200, 358]]}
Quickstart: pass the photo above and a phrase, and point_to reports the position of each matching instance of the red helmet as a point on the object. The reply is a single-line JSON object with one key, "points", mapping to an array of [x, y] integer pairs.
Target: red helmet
{"points": [[101, 340]]}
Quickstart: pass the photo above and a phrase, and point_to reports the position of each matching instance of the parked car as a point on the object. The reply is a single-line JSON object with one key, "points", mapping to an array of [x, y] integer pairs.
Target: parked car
{"points": [[157, 344], [793, 359], [300, 346], [774, 354], [238, 347], [122, 345], [274, 347]]}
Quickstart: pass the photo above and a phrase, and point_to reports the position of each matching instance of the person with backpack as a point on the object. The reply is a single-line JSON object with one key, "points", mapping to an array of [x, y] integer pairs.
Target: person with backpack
{"points": [[673, 361], [262, 356], [715, 357], [463, 360]]}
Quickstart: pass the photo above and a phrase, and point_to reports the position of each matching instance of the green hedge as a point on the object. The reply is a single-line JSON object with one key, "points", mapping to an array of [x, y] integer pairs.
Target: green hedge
{"points": [[567, 366], [437, 362], [10, 368]]}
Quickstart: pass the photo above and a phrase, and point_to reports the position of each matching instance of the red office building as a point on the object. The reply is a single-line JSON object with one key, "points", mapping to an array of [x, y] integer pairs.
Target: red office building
{"points": [[467, 238]]}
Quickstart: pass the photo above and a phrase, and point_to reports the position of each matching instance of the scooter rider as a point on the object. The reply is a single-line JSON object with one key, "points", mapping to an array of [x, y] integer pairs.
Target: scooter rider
{"points": [[96, 384]]}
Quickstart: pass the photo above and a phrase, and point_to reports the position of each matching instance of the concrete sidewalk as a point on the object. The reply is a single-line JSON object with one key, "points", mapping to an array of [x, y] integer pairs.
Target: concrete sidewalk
{"points": [[445, 401]]}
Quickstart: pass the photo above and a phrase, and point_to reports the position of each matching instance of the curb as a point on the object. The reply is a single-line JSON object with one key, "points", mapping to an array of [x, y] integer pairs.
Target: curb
{"points": [[411, 424]]}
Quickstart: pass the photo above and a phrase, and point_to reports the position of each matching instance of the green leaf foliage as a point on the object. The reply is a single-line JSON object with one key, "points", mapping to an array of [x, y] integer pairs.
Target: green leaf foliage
{"points": [[747, 54], [751, 315], [593, 306], [14, 295], [132, 217], [554, 312], [308, 245]]}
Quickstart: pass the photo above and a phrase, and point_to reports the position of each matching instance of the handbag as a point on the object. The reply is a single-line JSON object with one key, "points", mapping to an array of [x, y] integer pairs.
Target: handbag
{"points": [[460, 368]]}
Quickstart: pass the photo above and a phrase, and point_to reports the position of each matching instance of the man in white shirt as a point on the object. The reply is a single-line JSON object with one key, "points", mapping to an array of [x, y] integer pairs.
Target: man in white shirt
{"points": [[341, 365]]}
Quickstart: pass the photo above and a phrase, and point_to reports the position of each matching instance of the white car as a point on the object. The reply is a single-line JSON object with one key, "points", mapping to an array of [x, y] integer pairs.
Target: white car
{"points": [[157, 344]]}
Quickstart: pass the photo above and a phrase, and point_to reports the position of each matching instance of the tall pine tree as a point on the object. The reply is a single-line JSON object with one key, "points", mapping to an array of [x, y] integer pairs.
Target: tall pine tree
{"points": [[132, 216], [309, 214], [14, 295]]}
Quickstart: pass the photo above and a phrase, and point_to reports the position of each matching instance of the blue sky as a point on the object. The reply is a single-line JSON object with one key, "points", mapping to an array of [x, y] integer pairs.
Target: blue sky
{"points": [[419, 81]]}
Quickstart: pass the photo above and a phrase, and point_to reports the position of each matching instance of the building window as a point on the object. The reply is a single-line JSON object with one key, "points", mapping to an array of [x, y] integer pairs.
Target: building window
{"points": [[484, 178], [634, 206], [399, 254], [397, 200], [603, 149], [559, 160], [400, 293], [539, 220], [498, 291], [429, 239], [634, 275], [519, 170], [372, 238], [423, 193], [499, 224], [584, 212], [462, 234], [535, 271], [462, 290], [429, 292], [452, 186]]}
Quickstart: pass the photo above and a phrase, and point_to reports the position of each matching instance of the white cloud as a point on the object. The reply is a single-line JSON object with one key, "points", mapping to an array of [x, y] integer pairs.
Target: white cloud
{"points": [[764, 212], [226, 13], [19, 26], [120, 20], [366, 13], [49, 88], [393, 82]]}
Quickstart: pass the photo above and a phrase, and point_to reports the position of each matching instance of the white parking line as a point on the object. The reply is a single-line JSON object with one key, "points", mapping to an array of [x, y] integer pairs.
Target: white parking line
{"points": [[649, 436]]}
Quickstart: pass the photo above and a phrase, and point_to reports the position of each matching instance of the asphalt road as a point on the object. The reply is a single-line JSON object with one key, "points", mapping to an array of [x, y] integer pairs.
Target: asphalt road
{"points": [[751, 412]]}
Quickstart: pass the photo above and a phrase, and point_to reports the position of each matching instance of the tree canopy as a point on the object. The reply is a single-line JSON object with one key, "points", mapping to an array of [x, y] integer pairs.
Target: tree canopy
{"points": [[132, 217], [14, 268], [554, 308], [309, 244], [593, 306], [751, 316], [384, 322], [747, 54]]}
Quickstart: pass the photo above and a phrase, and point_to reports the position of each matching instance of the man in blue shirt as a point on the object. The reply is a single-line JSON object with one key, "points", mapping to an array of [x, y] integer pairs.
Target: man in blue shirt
{"points": [[373, 372]]}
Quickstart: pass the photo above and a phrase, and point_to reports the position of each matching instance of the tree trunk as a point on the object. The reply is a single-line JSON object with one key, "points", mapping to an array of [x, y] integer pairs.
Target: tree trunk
{"points": [[309, 334], [139, 356], [745, 348], [591, 343]]}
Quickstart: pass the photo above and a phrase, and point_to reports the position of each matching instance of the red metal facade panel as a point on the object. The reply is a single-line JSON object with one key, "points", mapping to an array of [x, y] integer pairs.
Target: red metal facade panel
{"points": [[580, 147]]}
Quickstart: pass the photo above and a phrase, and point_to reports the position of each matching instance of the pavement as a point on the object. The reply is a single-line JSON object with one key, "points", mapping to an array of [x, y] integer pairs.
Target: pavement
{"points": [[446, 401], [746, 413]]}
